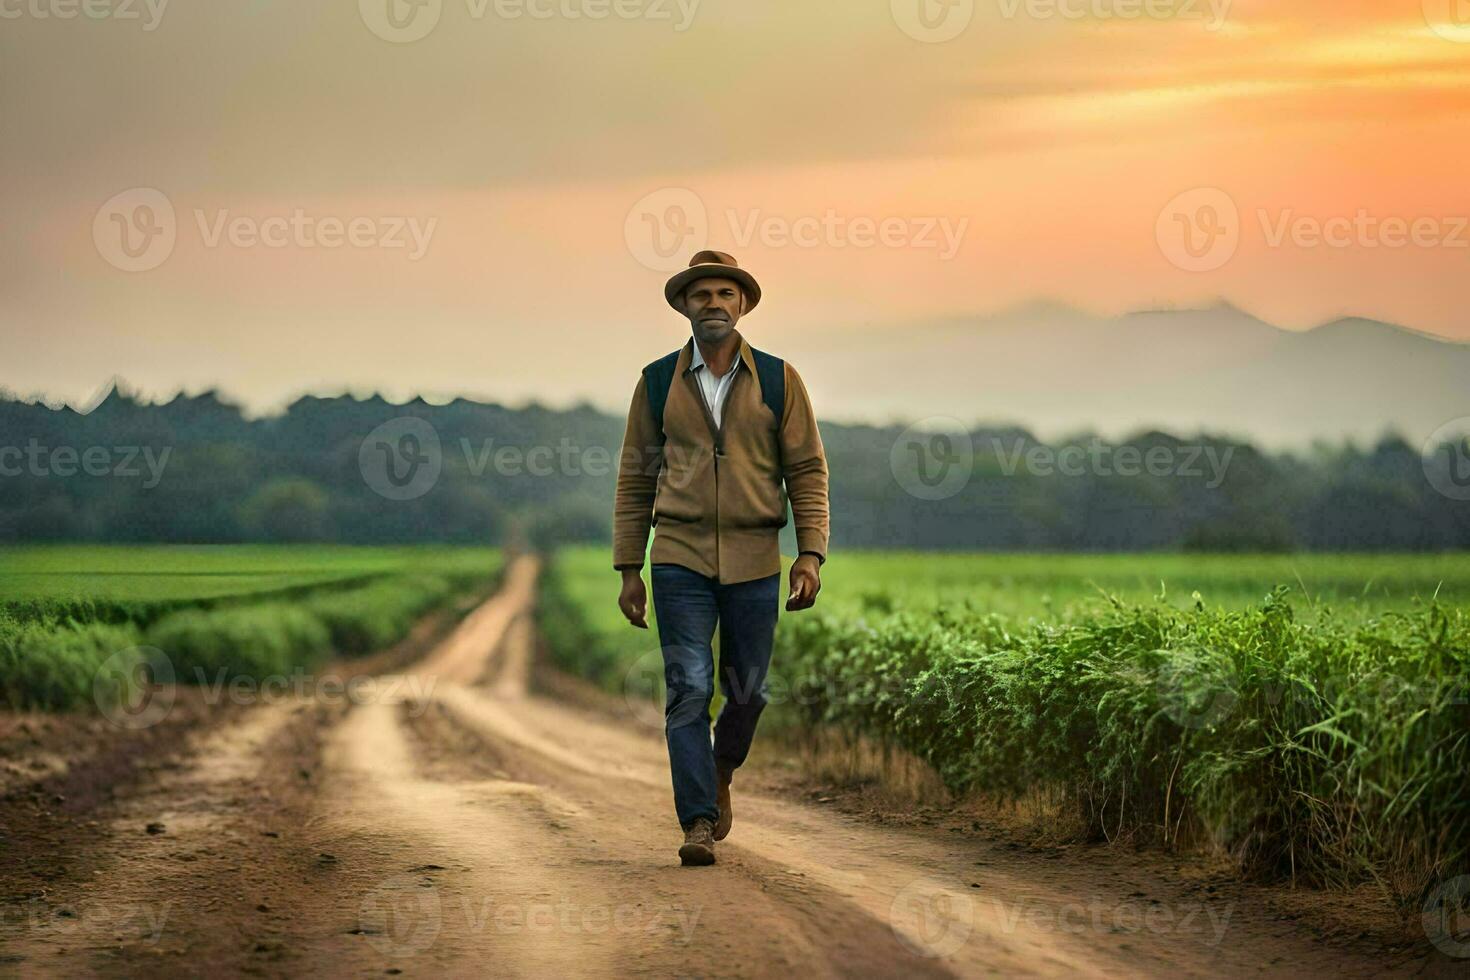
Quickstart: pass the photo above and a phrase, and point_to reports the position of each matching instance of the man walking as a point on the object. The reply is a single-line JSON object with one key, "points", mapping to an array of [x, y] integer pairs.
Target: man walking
{"points": [[719, 437]]}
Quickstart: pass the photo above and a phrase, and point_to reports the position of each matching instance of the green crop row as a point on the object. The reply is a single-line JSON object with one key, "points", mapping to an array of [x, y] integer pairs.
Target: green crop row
{"points": [[1306, 744], [55, 662], [1315, 750], [142, 583]]}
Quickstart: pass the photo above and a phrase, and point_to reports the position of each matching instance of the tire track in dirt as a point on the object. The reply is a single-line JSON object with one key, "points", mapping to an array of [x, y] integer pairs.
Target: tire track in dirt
{"points": [[544, 877], [871, 885], [450, 822]]}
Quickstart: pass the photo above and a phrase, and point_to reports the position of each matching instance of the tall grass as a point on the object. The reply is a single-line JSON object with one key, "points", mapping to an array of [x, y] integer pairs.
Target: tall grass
{"points": [[1318, 751], [52, 650], [50, 664], [1311, 745]]}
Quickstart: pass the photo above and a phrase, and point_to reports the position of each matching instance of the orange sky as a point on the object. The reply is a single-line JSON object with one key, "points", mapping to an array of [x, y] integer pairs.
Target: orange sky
{"points": [[868, 173]]}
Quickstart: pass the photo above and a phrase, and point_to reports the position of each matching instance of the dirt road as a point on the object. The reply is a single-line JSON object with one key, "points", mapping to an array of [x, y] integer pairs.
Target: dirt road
{"points": [[446, 822]]}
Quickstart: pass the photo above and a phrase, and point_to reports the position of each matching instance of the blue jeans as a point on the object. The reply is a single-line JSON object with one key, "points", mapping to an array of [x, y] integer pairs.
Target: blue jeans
{"points": [[688, 606]]}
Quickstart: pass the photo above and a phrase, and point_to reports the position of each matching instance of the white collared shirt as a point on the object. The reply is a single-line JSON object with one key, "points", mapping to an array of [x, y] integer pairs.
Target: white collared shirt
{"points": [[715, 390]]}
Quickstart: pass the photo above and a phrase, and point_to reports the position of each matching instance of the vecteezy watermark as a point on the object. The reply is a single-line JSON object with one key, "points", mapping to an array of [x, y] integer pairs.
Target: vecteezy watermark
{"points": [[136, 230], [1212, 13], [931, 918], [1446, 457], [1209, 922], [401, 915], [1098, 458], [936, 21], [1362, 230], [135, 688], [567, 458], [66, 461], [90, 922], [934, 459], [148, 13], [406, 21], [1446, 917], [932, 21], [1195, 690], [404, 915], [1201, 230], [402, 458], [663, 227], [643, 687], [1450, 19]]}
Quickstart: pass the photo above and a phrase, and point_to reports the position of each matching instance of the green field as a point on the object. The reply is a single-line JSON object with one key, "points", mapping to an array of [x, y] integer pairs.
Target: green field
{"points": [[1065, 586], [1305, 716], [69, 612], [136, 579]]}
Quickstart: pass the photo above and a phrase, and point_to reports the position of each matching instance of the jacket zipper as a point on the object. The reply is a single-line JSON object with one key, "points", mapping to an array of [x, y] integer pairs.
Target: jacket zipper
{"points": [[718, 431]]}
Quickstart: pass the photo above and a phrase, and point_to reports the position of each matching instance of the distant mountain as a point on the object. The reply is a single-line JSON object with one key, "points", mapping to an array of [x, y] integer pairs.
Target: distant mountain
{"points": [[1058, 371]]}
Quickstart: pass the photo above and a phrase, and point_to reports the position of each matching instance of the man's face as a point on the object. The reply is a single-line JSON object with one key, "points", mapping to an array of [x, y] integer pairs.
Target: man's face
{"points": [[713, 307]]}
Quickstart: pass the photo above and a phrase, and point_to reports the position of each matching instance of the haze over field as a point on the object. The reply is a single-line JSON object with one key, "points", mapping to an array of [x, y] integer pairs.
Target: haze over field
{"points": [[1058, 372], [490, 208]]}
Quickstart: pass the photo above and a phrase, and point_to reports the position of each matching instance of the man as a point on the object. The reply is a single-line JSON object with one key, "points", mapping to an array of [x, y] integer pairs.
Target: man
{"points": [[714, 430]]}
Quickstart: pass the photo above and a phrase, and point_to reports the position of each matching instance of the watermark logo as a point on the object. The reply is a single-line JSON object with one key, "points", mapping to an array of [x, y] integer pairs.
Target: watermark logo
{"points": [[933, 21], [1212, 12], [934, 458], [135, 230], [406, 21], [1362, 230], [1446, 917], [37, 459], [643, 689], [1199, 230], [663, 227], [401, 21], [1195, 690], [402, 458], [932, 919], [832, 229], [401, 916], [1450, 19], [148, 12], [1097, 458], [1446, 458], [134, 688]]}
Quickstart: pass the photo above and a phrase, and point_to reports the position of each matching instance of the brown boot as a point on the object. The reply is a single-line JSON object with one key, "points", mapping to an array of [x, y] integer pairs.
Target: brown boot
{"points": [[699, 843], [722, 797]]}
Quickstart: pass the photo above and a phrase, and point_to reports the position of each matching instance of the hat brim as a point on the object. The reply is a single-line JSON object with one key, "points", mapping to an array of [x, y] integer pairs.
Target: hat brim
{"points": [[713, 270]]}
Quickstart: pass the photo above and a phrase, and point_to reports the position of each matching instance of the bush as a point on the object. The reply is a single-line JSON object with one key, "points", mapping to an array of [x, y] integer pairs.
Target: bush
{"points": [[54, 665], [250, 641], [371, 618]]}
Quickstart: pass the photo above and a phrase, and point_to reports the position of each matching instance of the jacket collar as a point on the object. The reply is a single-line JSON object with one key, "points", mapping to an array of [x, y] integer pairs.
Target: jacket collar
{"points": [[690, 358]]}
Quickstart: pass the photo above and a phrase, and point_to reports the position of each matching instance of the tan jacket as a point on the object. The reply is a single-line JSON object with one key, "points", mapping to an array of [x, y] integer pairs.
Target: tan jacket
{"points": [[715, 496]]}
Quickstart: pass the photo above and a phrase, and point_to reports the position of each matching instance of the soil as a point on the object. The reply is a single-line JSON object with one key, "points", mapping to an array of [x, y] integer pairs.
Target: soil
{"points": [[468, 813]]}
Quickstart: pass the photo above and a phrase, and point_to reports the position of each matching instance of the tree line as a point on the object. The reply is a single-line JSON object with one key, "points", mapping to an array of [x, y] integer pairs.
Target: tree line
{"points": [[344, 469]]}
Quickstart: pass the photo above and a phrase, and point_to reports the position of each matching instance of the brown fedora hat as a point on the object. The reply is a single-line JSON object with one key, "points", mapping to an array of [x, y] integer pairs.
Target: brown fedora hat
{"points": [[710, 264]]}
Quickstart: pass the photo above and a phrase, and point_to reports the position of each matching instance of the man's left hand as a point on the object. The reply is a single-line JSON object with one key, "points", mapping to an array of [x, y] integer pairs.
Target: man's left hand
{"points": [[806, 582]]}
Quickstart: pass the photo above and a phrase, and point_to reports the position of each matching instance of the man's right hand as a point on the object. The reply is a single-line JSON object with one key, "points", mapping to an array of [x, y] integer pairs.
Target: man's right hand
{"points": [[633, 599]]}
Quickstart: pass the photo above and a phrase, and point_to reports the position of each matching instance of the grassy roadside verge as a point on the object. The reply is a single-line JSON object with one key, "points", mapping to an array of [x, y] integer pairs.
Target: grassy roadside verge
{"points": [[1305, 746], [54, 657]]}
